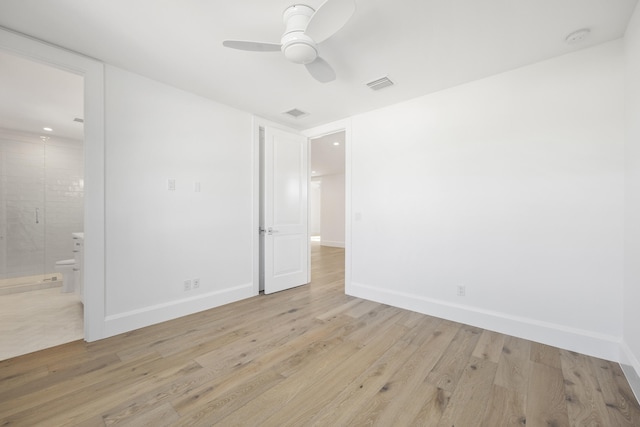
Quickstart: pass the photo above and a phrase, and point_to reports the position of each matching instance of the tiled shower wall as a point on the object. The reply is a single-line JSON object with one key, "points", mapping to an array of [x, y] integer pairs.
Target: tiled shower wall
{"points": [[41, 202]]}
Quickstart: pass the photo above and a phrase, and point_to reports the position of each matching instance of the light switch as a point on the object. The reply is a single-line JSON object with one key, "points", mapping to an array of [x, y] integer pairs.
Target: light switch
{"points": [[196, 186]]}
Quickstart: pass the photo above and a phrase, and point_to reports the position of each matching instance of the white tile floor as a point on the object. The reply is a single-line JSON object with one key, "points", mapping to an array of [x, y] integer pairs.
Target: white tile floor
{"points": [[31, 321]]}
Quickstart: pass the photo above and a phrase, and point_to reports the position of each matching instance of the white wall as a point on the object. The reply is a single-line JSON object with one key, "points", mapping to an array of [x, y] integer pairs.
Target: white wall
{"points": [[64, 198], [632, 201], [332, 211], [157, 238], [511, 186]]}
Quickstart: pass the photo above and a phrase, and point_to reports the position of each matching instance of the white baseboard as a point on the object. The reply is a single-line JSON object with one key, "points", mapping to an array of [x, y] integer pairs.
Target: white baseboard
{"points": [[569, 338], [332, 244], [136, 319], [631, 367]]}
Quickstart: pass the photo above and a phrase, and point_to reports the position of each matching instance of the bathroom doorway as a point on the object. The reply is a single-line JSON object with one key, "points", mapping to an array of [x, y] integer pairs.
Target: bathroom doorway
{"points": [[41, 204]]}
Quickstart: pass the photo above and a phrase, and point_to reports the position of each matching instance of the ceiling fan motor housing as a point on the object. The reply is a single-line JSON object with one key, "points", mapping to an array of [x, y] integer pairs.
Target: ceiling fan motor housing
{"points": [[297, 46]]}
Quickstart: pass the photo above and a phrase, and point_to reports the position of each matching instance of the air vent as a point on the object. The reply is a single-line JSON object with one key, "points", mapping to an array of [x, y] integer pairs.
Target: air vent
{"points": [[380, 83], [296, 113], [79, 120]]}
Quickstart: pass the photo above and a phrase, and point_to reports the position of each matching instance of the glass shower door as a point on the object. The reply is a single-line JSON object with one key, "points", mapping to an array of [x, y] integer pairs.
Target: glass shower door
{"points": [[22, 225]]}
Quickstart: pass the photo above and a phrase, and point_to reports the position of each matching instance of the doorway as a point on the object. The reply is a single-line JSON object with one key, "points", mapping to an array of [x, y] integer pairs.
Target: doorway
{"points": [[327, 190], [327, 203], [41, 204]]}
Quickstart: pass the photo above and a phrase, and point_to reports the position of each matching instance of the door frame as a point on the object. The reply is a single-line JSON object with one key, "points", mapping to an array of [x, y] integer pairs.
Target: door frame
{"points": [[328, 129], [94, 159]]}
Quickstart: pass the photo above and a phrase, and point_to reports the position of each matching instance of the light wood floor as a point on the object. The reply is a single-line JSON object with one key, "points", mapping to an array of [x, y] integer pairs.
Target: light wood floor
{"points": [[313, 356]]}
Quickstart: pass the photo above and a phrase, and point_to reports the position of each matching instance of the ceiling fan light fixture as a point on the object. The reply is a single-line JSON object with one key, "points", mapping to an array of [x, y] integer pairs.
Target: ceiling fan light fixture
{"points": [[304, 28], [299, 48], [300, 53]]}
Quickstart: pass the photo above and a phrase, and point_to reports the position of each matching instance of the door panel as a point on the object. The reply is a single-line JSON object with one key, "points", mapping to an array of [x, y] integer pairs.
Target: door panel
{"points": [[286, 248]]}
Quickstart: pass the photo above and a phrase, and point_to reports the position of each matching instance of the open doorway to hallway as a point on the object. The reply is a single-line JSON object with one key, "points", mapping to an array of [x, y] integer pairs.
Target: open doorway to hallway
{"points": [[327, 191], [327, 198]]}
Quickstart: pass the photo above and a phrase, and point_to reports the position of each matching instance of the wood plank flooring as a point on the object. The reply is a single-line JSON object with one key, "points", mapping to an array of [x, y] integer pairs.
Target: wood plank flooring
{"points": [[312, 356]]}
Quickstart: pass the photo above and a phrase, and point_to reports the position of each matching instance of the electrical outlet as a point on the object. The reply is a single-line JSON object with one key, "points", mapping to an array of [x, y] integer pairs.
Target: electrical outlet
{"points": [[171, 184], [196, 283], [187, 285], [462, 290]]}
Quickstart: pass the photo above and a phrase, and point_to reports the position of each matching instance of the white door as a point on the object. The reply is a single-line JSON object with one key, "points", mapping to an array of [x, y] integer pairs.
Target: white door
{"points": [[286, 239]]}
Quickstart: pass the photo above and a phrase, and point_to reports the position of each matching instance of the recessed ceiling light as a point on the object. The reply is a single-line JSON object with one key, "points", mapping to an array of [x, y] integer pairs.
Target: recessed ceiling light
{"points": [[336, 143], [314, 172], [577, 36], [48, 129]]}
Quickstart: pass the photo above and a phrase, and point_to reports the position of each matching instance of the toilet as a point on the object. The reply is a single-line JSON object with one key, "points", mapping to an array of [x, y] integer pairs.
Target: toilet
{"points": [[66, 267]]}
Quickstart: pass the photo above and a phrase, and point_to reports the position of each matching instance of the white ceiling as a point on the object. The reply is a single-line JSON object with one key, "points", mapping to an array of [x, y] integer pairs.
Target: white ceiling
{"points": [[34, 96], [422, 45]]}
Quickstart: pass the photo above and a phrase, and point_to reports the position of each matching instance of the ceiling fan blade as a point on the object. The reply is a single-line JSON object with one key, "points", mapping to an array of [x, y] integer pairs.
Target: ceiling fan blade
{"points": [[252, 46], [329, 18], [321, 70]]}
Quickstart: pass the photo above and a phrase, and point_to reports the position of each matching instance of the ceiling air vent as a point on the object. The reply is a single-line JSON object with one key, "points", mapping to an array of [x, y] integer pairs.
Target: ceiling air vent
{"points": [[380, 83], [79, 120], [296, 113]]}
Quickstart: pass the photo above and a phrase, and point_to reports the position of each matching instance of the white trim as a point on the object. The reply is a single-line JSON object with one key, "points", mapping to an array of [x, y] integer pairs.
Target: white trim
{"points": [[574, 339], [327, 129], [633, 379], [255, 215], [146, 316], [94, 200], [628, 358], [631, 367], [262, 122]]}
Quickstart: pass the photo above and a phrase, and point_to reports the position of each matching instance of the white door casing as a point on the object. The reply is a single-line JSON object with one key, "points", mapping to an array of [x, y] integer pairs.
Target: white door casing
{"points": [[286, 239]]}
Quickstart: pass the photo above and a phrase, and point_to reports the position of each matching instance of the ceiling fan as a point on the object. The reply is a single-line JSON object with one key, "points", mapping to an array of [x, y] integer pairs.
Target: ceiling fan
{"points": [[305, 28]]}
